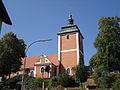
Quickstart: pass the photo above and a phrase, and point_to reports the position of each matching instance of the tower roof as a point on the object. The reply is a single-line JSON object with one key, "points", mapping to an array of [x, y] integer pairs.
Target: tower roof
{"points": [[70, 28], [3, 14]]}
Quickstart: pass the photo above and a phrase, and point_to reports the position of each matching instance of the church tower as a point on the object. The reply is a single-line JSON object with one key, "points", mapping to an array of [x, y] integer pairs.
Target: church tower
{"points": [[70, 47]]}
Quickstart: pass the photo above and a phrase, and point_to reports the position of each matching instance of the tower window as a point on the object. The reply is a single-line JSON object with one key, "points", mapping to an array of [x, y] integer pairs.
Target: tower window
{"points": [[68, 37]]}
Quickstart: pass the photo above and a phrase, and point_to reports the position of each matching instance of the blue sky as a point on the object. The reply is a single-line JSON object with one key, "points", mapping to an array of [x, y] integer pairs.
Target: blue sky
{"points": [[42, 19]]}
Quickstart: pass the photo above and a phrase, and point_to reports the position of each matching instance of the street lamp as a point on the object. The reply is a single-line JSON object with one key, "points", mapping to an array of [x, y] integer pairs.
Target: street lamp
{"points": [[22, 88]]}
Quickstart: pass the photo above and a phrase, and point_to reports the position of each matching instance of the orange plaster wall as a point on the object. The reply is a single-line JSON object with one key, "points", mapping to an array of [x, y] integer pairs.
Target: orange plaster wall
{"points": [[68, 44]]}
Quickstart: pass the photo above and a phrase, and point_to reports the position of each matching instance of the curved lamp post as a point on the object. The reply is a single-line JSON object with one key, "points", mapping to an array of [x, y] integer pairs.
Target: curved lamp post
{"points": [[22, 88]]}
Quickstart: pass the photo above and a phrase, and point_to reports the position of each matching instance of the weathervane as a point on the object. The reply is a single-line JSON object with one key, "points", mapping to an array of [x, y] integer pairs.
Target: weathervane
{"points": [[70, 20]]}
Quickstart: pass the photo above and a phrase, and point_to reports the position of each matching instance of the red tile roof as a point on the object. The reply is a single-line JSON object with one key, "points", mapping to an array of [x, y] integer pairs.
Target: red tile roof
{"points": [[54, 59], [30, 61]]}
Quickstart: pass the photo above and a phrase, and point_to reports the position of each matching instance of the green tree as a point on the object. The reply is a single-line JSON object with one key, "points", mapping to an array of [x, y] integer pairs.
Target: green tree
{"points": [[66, 81], [106, 60], [116, 84], [36, 83], [107, 44], [12, 50], [53, 82], [81, 71], [101, 77]]}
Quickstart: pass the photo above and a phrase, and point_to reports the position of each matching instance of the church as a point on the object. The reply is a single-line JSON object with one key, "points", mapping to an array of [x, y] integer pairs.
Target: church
{"points": [[70, 50]]}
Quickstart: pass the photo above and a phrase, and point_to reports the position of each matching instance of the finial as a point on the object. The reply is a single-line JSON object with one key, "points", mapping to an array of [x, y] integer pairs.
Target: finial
{"points": [[70, 20]]}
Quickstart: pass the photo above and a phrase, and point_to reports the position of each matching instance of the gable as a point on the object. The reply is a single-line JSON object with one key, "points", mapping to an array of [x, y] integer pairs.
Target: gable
{"points": [[31, 61], [43, 59]]}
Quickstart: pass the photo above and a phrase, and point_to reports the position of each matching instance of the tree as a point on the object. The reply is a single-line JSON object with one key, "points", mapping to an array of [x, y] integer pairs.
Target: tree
{"points": [[106, 60], [12, 50], [116, 84], [54, 82], [107, 44], [81, 71], [101, 77], [66, 81]]}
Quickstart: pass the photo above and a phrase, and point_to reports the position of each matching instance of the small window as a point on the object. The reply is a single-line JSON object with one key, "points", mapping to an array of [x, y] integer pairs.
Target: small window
{"points": [[68, 37], [42, 70], [68, 71]]}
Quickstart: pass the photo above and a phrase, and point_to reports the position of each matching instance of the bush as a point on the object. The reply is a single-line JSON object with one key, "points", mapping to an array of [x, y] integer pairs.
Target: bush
{"points": [[10, 83], [2, 84], [53, 82], [35, 83], [116, 84], [13, 81], [66, 80]]}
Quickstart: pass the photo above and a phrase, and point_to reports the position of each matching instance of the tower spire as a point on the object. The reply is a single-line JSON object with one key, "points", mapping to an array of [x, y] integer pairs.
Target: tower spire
{"points": [[70, 20]]}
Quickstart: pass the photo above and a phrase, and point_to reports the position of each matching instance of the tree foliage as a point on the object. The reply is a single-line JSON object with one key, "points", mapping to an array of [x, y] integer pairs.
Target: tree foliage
{"points": [[66, 81], [107, 44], [35, 83], [116, 84], [101, 77], [81, 71], [12, 50], [106, 61], [54, 82]]}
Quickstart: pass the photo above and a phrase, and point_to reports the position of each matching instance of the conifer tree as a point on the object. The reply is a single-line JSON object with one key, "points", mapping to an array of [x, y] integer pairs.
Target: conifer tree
{"points": [[81, 72]]}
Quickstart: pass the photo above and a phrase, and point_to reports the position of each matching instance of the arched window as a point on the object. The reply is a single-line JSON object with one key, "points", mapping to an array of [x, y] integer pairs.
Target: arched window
{"points": [[68, 71], [42, 70], [68, 37]]}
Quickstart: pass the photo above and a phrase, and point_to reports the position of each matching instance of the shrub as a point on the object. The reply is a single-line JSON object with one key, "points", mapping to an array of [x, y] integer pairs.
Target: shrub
{"points": [[116, 84], [66, 80], [53, 82], [35, 83]]}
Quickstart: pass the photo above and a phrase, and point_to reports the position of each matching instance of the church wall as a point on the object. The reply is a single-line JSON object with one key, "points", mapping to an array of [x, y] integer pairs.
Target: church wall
{"points": [[70, 43], [68, 60]]}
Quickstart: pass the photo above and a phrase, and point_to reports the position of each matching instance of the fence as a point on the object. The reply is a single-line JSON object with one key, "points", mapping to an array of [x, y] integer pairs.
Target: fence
{"points": [[75, 89]]}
